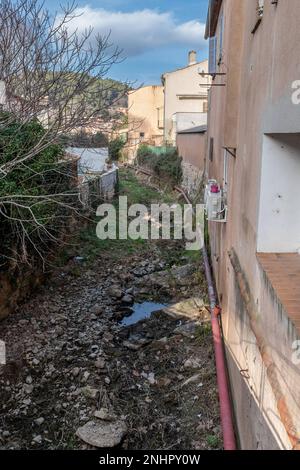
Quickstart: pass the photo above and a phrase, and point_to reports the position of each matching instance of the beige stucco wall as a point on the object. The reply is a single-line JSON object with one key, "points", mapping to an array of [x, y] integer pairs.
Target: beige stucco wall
{"points": [[192, 149], [256, 101], [145, 115], [183, 94]]}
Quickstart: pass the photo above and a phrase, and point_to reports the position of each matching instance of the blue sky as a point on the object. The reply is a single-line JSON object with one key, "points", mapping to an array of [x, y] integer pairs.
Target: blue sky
{"points": [[154, 35]]}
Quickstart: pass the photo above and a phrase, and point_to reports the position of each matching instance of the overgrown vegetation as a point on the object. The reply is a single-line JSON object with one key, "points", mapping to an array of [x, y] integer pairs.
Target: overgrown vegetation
{"points": [[83, 139], [138, 193], [91, 246], [53, 82], [115, 148], [166, 165], [34, 196]]}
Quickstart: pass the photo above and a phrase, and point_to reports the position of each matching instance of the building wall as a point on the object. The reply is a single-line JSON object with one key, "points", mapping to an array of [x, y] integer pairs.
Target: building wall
{"points": [[185, 121], [183, 94], [192, 149], [145, 117], [255, 102]]}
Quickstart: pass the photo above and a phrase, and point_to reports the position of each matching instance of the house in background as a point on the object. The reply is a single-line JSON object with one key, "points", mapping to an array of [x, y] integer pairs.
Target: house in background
{"points": [[173, 114], [145, 118], [185, 103], [254, 226]]}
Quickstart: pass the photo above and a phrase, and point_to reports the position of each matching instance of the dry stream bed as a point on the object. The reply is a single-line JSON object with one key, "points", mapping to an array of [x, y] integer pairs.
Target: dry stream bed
{"points": [[90, 366]]}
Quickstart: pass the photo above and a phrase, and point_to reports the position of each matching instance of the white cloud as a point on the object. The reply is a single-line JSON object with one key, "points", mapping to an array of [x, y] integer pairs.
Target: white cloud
{"points": [[139, 31]]}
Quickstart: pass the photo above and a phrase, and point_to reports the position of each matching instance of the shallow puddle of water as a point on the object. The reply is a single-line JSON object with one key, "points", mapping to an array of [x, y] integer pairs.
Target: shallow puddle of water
{"points": [[141, 312]]}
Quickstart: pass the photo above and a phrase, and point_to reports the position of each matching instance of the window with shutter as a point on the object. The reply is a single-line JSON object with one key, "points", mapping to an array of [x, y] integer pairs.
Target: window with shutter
{"points": [[212, 62]]}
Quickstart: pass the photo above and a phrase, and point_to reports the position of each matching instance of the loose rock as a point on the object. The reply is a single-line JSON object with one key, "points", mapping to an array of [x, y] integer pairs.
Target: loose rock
{"points": [[102, 434]]}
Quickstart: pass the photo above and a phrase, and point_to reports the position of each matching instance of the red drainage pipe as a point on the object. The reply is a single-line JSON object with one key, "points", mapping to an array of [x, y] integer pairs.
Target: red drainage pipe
{"points": [[223, 386]]}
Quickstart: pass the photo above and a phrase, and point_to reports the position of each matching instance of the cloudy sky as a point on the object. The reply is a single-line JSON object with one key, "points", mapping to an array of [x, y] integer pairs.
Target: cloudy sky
{"points": [[155, 35]]}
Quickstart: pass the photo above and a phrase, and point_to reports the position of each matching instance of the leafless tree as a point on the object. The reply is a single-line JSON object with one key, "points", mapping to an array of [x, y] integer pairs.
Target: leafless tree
{"points": [[53, 75]]}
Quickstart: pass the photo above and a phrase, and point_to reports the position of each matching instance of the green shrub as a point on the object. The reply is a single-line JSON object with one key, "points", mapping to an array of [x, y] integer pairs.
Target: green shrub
{"points": [[115, 148], [146, 157], [30, 214], [166, 165]]}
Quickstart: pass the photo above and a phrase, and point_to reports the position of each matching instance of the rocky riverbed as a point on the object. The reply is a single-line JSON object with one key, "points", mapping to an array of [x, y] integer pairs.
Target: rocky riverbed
{"points": [[78, 377]]}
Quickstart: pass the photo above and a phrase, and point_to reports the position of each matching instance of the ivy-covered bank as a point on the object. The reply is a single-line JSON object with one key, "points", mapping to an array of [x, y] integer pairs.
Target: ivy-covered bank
{"points": [[34, 192], [37, 200]]}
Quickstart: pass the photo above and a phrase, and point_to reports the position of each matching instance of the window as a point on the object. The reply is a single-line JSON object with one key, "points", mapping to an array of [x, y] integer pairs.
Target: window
{"points": [[160, 118], [142, 135]]}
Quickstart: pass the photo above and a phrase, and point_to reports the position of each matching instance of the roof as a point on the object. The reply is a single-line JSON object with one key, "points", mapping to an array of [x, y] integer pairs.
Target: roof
{"points": [[212, 18], [194, 130], [134, 90], [91, 159], [183, 68]]}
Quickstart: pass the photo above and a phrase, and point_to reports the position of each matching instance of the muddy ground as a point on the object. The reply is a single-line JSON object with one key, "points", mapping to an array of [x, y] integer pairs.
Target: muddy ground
{"points": [[76, 377]]}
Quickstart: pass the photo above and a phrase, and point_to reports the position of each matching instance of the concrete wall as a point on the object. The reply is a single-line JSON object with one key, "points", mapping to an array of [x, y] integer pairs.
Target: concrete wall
{"points": [[255, 102], [192, 149], [185, 121], [145, 116], [279, 208], [183, 94]]}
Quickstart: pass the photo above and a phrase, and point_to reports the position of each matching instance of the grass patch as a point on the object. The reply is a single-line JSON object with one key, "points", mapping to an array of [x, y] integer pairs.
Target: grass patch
{"points": [[137, 193], [90, 246], [213, 441], [203, 331], [93, 246], [194, 256]]}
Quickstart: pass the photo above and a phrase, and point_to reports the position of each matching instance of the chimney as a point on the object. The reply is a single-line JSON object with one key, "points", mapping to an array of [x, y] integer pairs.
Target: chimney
{"points": [[192, 57]]}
